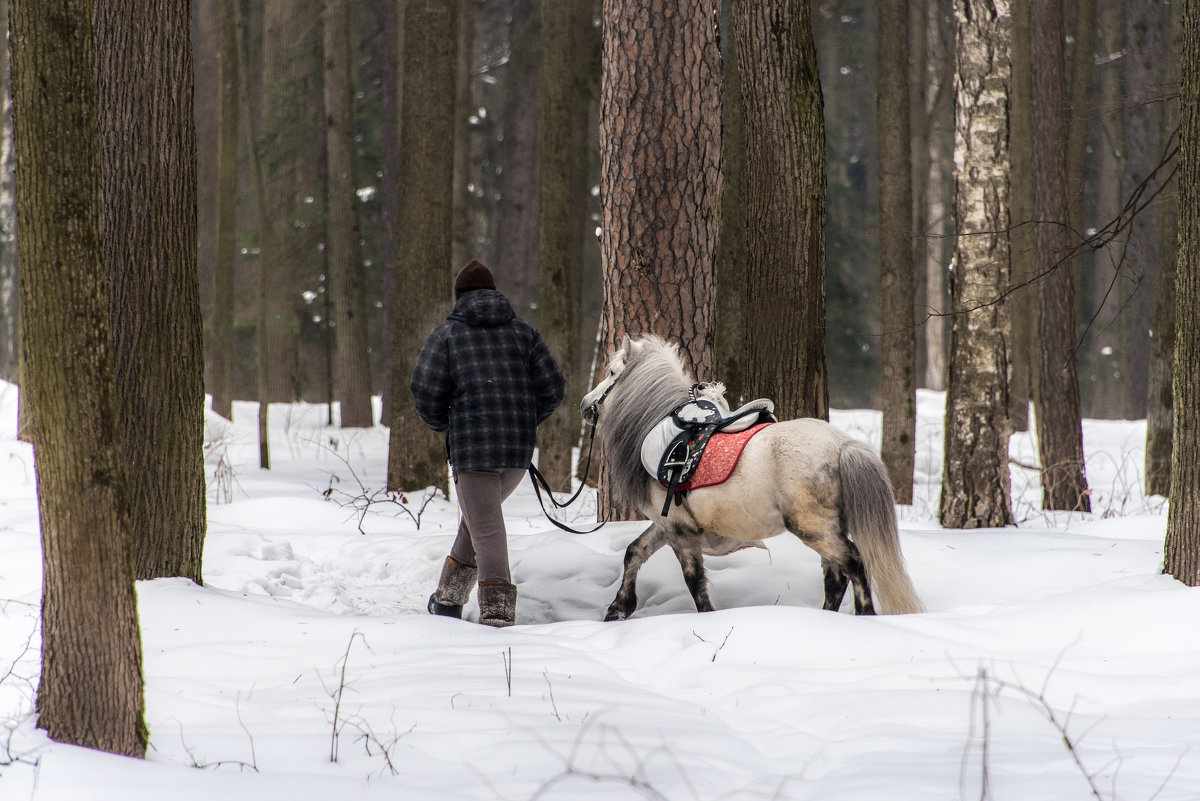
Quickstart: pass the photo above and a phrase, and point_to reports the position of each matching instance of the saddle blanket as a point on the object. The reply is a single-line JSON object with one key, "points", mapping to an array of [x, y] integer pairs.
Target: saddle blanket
{"points": [[720, 458]]}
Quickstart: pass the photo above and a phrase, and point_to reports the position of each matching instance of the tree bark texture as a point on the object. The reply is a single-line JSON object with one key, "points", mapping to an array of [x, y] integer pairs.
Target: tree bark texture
{"points": [[417, 456], [225, 217], [897, 295], [975, 477], [352, 366], [562, 213], [90, 692], [729, 312], [660, 145], [1160, 390], [148, 171], [1022, 303], [785, 205], [1182, 547], [660, 180], [1059, 429]]}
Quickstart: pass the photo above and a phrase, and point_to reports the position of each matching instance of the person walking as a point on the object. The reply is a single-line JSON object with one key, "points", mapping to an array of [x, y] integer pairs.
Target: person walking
{"points": [[486, 379]]}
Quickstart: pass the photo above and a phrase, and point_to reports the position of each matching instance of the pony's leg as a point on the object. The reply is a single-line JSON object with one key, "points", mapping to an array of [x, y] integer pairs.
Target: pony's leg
{"points": [[835, 585], [636, 555], [842, 564], [858, 577], [691, 559]]}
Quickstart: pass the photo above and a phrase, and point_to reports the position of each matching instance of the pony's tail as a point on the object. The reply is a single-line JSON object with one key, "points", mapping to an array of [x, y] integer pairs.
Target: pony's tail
{"points": [[869, 514]]}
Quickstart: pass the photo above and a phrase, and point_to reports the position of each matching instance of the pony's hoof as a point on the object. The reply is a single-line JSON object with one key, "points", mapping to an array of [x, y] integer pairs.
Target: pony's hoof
{"points": [[614, 613]]}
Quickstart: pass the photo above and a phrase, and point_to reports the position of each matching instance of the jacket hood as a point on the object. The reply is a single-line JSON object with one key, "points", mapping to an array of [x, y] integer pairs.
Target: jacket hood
{"points": [[483, 308]]}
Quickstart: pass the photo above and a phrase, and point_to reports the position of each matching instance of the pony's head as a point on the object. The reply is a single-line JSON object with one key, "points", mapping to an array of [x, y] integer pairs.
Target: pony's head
{"points": [[635, 354]]}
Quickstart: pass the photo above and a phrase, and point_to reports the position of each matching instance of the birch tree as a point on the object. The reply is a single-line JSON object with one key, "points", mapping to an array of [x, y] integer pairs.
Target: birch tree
{"points": [[975, 478]]}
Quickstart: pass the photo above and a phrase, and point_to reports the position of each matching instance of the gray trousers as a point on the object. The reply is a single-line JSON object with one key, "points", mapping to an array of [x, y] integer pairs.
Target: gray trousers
{"points": [[482, 540]]}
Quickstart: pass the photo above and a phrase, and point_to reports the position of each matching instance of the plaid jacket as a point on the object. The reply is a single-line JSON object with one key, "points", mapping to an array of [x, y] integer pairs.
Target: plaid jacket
{"points": [[486, 379]]}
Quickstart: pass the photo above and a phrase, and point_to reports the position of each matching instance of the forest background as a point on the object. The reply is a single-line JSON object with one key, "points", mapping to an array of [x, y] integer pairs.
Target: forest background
{"points": [[1124, 113]]}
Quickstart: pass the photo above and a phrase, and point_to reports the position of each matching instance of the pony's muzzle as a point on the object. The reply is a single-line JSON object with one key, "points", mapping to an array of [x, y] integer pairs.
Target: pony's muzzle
{"points": [[591, 413]]}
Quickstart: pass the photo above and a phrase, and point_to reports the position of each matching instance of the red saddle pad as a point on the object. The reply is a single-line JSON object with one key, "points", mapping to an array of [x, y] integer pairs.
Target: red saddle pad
{"points": [[720, 458]]}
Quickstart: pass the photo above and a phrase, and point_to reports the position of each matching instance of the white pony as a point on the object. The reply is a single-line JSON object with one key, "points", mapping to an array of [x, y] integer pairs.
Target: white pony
{"points": [[802, 476]]}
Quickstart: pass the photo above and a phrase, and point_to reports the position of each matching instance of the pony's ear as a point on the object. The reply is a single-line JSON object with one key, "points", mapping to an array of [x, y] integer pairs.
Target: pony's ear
{"points": [[626, 344]]}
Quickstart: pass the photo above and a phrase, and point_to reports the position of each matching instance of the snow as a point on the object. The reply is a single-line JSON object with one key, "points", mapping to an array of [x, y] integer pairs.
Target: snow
{"points": [[1055, 661]]}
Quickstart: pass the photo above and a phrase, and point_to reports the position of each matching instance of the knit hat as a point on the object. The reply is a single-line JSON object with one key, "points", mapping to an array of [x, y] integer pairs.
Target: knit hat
{"points": [[474, 276]]}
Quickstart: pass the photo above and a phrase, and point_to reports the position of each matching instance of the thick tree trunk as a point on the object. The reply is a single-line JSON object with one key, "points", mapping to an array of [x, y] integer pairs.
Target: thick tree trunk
{"points": [[897, 356], [785, 208], [416, 456], [975, 478], [352, 366], [90, 692], [148, 166], [1059, 429], [660, 176], [1182, 548]]}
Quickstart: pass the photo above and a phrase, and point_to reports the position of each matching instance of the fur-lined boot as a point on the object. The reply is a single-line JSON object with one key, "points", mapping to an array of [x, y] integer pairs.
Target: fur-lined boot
{"points": [[454, 588], [497, 603]]}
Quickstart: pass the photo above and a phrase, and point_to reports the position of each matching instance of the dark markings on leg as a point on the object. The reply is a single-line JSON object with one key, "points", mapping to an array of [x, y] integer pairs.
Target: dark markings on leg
{"points": [[835, 585], [691, 559], [636, 555], [858, 577]]}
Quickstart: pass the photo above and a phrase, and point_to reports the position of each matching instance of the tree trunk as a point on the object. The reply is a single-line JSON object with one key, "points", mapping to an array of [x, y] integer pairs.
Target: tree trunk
{"points": [[939, 195], [1022, 303], [278, 339], [785, 210], [1182, 547], [1159, 400], [562, 212], [10, 289], [1146, 26], [897, 355], [90, 692], [660, 177], [1059, 429], [975, 478], [225, 256], [729, 313], [417, 456], [148, 167], [352, 372], [1099, 354], [516, 265]]}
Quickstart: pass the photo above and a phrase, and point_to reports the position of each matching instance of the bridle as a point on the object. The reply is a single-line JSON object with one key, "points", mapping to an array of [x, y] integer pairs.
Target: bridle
{"points": [[540, 483]]}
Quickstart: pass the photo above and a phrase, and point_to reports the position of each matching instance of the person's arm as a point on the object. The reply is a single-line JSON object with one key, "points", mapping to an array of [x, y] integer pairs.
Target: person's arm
{"points": [[548, 382], [432, 387]]}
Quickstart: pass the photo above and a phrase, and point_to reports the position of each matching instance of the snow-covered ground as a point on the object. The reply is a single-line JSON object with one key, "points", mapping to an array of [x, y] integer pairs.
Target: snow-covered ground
{"points": [[1055, 662]]}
